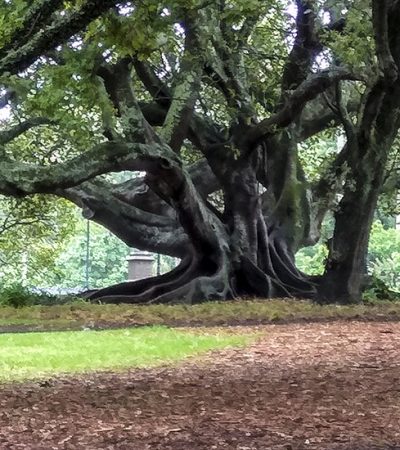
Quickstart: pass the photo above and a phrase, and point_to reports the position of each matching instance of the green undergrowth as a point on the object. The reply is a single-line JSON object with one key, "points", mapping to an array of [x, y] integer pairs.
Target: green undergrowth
{"points": [[36, 355], [18, 296], [85, 315]]}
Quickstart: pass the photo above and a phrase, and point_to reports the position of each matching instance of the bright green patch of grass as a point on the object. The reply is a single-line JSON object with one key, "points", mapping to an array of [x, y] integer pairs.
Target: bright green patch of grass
{"points": [[34, 355]]}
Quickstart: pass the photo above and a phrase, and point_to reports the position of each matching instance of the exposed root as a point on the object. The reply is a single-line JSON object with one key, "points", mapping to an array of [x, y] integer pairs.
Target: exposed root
{"points": [[188, 283], [256, 282], [213, 276], [132, 288]]}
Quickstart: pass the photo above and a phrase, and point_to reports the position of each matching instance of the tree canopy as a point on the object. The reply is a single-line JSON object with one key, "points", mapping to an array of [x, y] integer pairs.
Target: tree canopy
{"points": [[212, 112]]}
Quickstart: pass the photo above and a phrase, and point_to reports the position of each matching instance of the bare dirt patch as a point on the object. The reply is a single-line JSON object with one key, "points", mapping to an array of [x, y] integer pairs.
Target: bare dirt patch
{"points": [[300, 386]]}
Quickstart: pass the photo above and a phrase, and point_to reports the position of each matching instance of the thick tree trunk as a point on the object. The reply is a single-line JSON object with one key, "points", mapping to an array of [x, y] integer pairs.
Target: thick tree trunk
{"points": [[204, 274], [345, 267], [286, 201], [344, 274], [233, 256]]}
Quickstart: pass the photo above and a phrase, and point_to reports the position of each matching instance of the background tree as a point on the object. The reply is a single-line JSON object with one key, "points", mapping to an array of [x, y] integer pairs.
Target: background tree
{"points": [[213, 102], [32, 235]]}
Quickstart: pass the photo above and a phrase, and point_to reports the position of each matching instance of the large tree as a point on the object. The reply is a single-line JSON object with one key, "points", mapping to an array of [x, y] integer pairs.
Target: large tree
{"points": [[213, 101]]}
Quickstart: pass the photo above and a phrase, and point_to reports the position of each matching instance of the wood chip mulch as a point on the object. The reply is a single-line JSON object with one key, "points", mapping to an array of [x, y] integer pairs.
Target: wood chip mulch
{"points": [[300, 386]]}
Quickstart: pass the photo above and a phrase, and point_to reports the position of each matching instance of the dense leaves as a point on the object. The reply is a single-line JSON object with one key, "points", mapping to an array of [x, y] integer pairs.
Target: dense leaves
{"points": [[383, 256], [32, 235]]}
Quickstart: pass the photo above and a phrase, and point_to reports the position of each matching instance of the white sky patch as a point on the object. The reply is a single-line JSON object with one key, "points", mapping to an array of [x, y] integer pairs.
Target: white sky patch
{"points": [[292, 9], [77, 44], [125, 10], [326, 18], [5, 113]]}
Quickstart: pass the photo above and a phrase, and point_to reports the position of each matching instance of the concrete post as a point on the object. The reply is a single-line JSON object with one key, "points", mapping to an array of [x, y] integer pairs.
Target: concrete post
{"points": [[140, 265]]}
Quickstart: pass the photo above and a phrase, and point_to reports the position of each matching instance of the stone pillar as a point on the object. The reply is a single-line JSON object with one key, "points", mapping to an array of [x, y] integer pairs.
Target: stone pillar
{"points": [[140, 265]]}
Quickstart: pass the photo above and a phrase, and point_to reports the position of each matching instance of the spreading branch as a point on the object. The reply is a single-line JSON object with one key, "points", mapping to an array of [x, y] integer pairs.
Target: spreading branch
{"points": [[135, 192], [38, 16], [316, 117], [119, 87], [295, 103], [226, 71], [178, 118], [387, 66], [19, 179], [59, 31], [15, 131], [306, 46], [154, 86], [105, 209], [344, 116], [203, 134]]}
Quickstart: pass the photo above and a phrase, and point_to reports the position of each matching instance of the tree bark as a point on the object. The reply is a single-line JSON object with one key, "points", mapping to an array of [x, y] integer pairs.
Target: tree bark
{"points": [[345, 267], [344, 274]]}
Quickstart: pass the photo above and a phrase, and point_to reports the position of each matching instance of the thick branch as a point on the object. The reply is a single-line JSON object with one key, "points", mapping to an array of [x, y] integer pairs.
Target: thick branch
{"points": [[325, 192], [227, 70], [382, 93], [316, 117], [12, 133], [177, 120], [136, 193], [119, 87], [387, 66], [36, 18], [306, 46], [156, 88], [52, 36], [294, 104], [344, 116], [19, 179], [130, 224], [201, 132]]}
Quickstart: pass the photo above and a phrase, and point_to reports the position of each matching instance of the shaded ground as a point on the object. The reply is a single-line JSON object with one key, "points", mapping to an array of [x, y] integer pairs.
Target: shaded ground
{"points": [[305, 386]]}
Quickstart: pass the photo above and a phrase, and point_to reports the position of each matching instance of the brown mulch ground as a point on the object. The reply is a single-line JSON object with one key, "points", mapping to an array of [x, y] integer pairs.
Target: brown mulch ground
{"points": [[300, 386]]}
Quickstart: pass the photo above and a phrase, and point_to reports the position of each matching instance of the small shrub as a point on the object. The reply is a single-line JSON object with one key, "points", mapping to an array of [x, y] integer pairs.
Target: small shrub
{"points": [[377, 290], [18, 296]]}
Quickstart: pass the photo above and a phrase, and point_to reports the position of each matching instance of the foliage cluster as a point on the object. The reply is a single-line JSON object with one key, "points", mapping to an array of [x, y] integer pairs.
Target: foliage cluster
{"points": [[32, 235], [383, 258]]}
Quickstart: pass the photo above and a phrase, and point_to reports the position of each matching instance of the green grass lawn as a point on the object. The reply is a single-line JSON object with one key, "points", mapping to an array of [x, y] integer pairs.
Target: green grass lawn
{"points": [[34, 355]]}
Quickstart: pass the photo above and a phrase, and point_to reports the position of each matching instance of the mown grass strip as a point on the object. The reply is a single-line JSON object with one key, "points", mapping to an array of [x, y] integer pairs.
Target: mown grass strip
{"points": [[34, 355], [82, 315]]}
